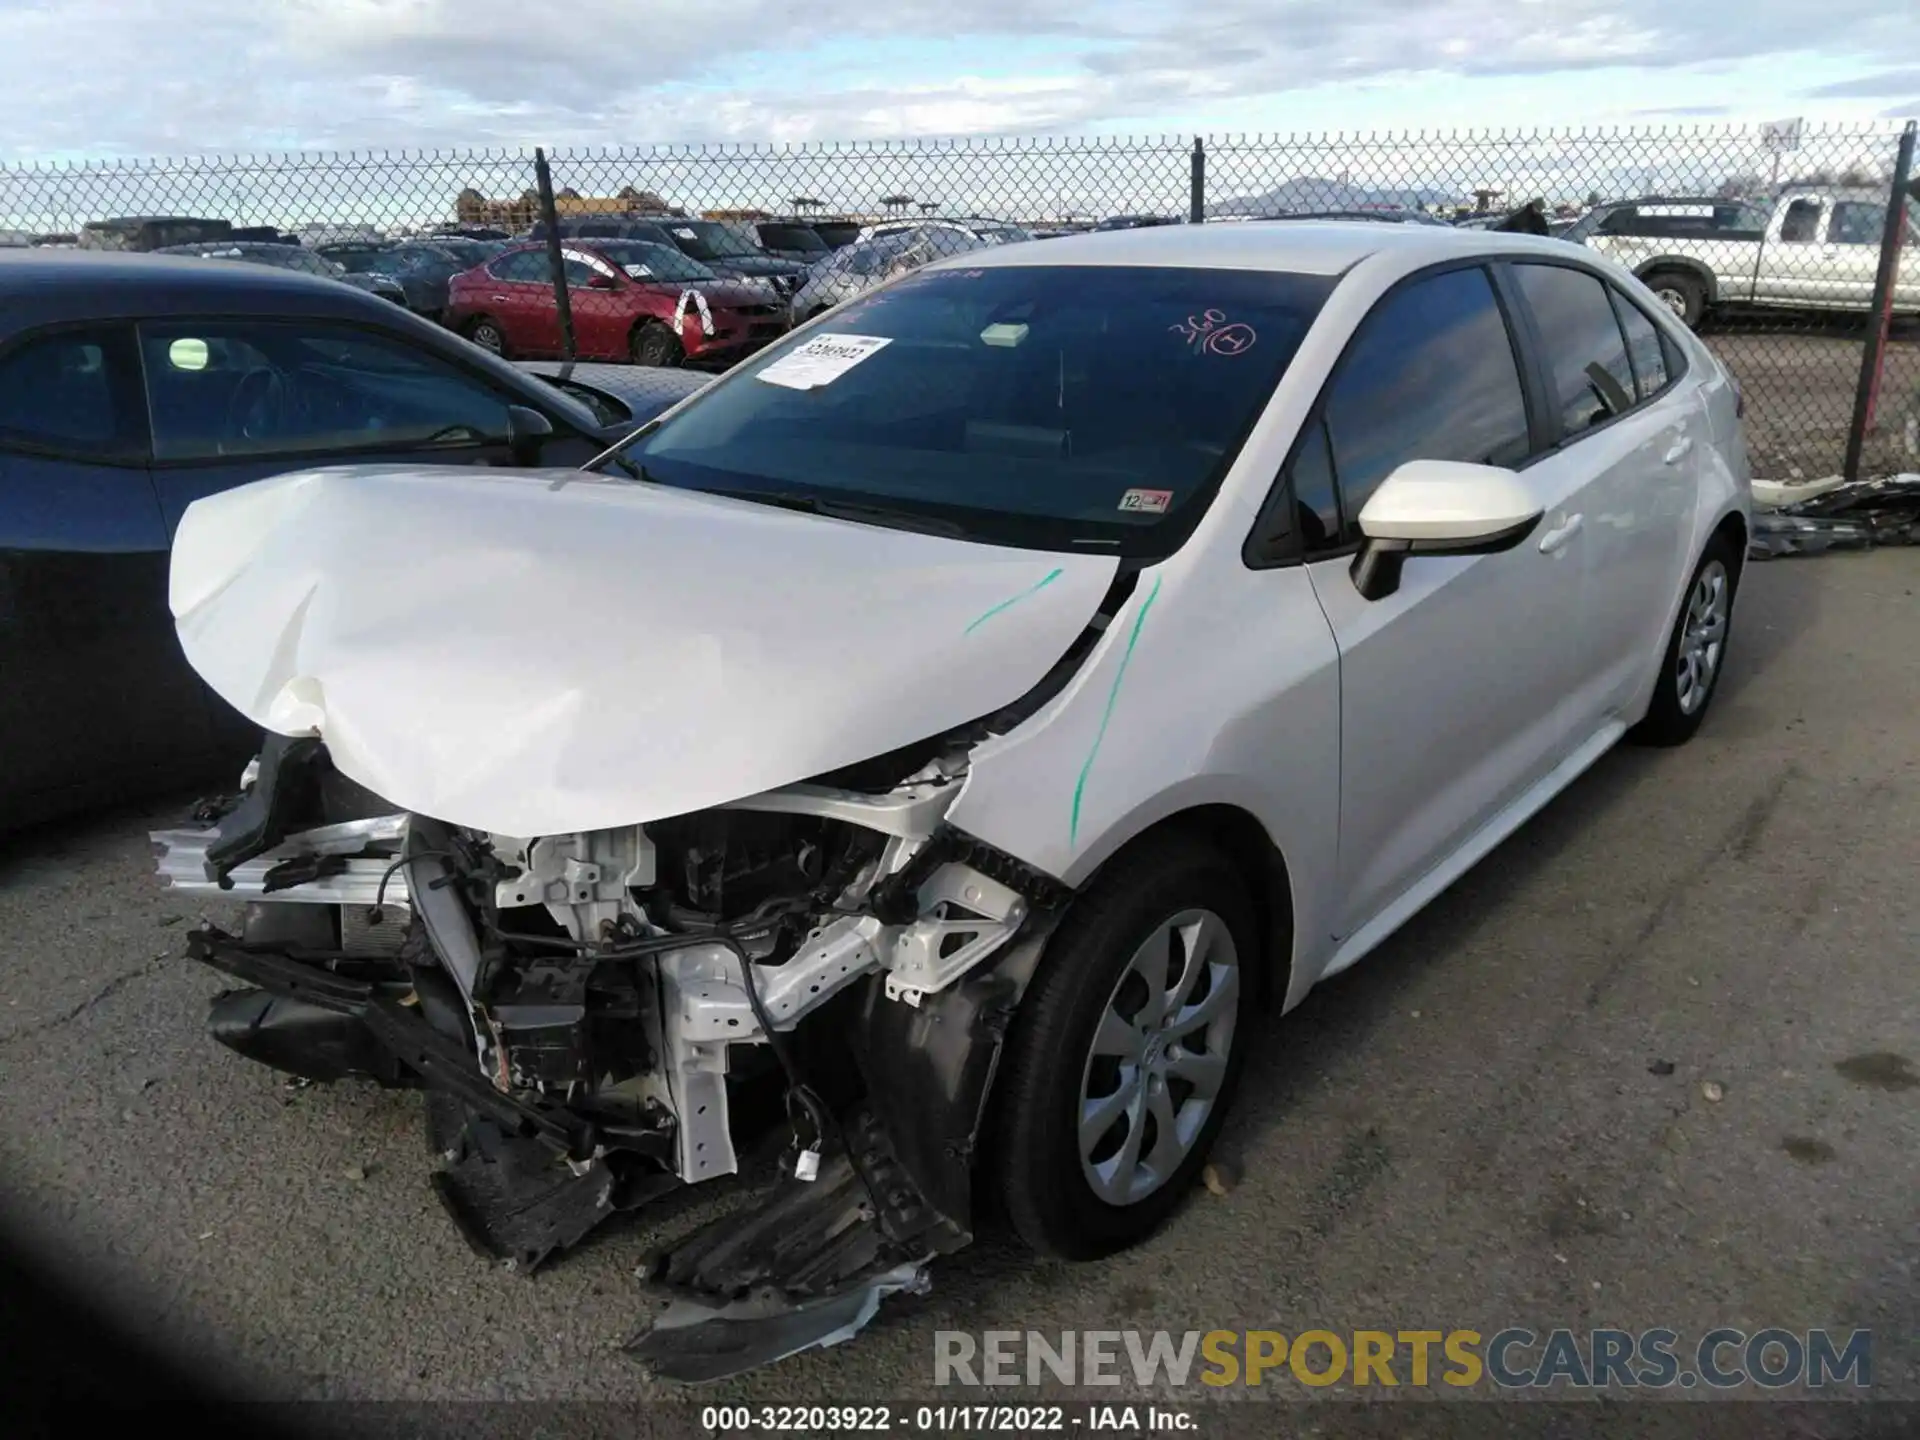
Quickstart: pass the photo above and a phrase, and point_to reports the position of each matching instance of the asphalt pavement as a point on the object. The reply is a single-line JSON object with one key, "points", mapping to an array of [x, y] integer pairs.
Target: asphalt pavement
{"points": [[1503, 1117]]}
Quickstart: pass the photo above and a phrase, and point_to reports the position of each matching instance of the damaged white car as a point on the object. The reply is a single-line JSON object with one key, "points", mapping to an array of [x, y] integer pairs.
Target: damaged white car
{"points": [[927, 745]]}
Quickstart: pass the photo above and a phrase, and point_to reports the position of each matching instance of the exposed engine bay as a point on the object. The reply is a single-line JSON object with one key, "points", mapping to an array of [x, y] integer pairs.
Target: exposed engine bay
{"points": [[603, 1016]]}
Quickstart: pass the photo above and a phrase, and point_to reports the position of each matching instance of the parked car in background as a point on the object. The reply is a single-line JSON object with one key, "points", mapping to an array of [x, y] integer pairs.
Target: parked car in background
{"points": [[292, 257], [711, 243], [861, 266], [1385, 217], [995, 695], [469, 250], [131, 386], [422, 271], [1699, 217], [1816, 248], [793, 240], [991, 232], [837, 233], [1135, 222], [151, 232], [631, 300]]}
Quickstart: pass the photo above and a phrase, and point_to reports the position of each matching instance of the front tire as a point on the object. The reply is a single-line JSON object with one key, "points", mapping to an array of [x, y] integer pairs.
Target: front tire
{"points": [[1126, 1052], [1696, 650], [654, 344]]}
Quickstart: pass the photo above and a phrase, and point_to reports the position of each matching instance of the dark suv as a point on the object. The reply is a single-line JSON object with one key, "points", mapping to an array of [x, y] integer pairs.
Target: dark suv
{"points": [[1693, 217]]}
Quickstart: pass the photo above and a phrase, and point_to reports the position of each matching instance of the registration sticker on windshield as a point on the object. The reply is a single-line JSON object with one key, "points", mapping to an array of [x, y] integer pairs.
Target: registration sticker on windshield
{"points": [[821, 361], [1147, 502]]}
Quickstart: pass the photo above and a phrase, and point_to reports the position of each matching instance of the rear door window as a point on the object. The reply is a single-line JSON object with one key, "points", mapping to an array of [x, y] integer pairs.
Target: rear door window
{"points": [[71, 392], [1585, 352], [1646, 347]]}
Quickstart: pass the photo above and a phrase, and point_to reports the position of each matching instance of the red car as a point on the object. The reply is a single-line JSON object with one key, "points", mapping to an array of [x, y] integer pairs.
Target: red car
{"points": [[631, 300]]}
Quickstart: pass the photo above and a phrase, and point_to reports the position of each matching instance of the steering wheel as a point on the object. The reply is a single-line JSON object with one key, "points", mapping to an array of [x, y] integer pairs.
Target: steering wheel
{"points": [[257, 411]]}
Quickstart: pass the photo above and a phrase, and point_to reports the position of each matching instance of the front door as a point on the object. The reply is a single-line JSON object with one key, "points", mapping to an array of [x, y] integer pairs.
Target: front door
{"points": [[1461, 689]]}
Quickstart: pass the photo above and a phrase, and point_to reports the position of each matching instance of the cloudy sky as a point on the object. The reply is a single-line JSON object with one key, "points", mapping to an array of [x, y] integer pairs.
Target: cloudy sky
{"points": [[139, 77]]}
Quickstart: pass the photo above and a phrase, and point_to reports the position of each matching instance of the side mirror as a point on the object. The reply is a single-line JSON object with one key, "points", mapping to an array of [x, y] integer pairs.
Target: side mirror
{"points": [[1439, 507], [527, 431], [597, 281]]}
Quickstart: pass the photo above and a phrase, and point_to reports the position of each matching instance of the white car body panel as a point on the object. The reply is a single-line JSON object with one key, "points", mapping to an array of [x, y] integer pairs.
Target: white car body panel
{"points": [[761, 647], [537, 652]]}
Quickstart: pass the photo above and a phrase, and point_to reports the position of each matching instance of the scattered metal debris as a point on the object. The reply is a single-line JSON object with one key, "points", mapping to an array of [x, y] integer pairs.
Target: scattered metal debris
{"points": [[1857, 516]]}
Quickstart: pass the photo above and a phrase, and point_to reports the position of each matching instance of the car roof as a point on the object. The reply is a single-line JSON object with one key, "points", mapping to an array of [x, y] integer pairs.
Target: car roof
{"points": [[1306, 247], [40, 287]]}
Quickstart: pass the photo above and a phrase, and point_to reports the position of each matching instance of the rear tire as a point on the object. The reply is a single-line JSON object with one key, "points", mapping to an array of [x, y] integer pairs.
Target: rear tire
{"points": [[656, 345], [1682, 295], [485, 332], [1093, 1055], [1696, 651]]}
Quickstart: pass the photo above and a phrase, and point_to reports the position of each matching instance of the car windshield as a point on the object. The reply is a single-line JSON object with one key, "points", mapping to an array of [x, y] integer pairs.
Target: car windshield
{"points": [[364, 262], [469, 252], [792, 237], [644, 261], [708, 240], [1050, 407]]}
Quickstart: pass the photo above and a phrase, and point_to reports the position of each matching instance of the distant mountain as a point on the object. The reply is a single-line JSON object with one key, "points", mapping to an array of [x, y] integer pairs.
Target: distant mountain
{"points": [[1318, 192]]}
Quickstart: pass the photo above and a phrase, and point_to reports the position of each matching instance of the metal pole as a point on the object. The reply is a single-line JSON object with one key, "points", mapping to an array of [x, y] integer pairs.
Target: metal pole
{"points": [[1197, 184], [1868, 391], [557, 266]]}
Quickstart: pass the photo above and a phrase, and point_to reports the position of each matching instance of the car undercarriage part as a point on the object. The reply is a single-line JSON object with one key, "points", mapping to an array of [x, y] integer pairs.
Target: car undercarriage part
{"points": [[588, 1014], [1858, 516]]}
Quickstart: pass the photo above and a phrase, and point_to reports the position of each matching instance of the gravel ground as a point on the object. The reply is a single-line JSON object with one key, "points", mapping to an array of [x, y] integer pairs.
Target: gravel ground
{"points": [[1502, 1117]]}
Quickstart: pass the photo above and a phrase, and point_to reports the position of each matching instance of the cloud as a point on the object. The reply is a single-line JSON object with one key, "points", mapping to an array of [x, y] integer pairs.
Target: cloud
{"points": [[1908, 111], [193, 76], [1695, 112], [1869, 87]]}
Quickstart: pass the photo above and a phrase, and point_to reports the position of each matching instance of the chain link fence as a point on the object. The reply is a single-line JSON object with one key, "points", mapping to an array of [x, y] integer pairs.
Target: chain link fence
{"points": [[1782, 245]]}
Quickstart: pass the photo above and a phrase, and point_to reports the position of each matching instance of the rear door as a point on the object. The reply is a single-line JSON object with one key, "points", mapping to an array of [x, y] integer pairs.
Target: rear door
{"points": [[1628, 442], [1854, 230], [522, 298], [1458, 691], [94, 692]]}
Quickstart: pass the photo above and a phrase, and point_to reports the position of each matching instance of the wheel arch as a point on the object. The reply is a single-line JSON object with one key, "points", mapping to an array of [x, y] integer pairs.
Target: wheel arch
{"points": [[1684, 264], [1245, 843]]}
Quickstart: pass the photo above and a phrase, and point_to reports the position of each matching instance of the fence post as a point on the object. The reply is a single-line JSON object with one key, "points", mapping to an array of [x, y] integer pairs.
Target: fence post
{"points": [[1874, 352], [1197, 184], [556, 265]]}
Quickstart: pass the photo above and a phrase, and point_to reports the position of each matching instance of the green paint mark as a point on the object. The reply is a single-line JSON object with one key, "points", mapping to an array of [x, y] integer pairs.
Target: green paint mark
{"points": [[1051, 576], [1080, 785]]}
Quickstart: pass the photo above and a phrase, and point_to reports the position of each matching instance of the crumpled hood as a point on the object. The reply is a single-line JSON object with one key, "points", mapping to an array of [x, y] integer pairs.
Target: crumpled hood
{"points": [[535, 652]]}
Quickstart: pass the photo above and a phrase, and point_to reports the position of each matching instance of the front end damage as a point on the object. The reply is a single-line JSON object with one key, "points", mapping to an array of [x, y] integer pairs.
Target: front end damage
{"points": [[603, 1016]]}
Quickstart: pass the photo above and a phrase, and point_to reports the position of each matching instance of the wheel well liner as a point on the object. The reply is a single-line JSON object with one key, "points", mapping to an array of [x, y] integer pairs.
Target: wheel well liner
{"points": [[1733, 525]]}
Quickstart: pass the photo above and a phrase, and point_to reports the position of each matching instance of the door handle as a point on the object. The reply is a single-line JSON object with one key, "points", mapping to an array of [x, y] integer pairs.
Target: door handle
{"points": [[1679, 450], [1557, 538]]}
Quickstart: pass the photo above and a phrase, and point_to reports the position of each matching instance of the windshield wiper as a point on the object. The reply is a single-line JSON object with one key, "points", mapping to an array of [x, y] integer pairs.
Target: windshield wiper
{"points": [[882, 515]]}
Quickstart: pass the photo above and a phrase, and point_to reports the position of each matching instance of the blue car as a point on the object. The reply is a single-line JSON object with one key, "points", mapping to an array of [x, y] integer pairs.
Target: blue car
{"points": [[132, 385]]}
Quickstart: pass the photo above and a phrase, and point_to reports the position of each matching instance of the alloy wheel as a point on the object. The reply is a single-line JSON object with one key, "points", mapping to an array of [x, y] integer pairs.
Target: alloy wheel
{"points": [[1159, 1057], [1703, 637]]}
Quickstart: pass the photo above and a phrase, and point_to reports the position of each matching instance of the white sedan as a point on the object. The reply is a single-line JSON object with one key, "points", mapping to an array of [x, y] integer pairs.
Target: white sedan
{"points": [[951, 725]]}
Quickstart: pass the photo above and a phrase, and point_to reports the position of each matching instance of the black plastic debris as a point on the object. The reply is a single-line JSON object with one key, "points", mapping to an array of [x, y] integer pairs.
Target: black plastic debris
{"points": [[1862, 515]]}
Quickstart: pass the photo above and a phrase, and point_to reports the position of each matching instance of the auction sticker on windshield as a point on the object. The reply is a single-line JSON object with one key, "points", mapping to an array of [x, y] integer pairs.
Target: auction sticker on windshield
{"points": [[821, 361]]}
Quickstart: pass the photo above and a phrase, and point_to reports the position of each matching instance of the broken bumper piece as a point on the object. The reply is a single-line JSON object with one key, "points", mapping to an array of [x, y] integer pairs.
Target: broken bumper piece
{"points": [[1859, 516], [807, 1268]]}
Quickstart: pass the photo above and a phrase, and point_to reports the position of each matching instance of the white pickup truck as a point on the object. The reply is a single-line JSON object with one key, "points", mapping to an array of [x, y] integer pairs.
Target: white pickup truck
{"points": [[1818, 249]]}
